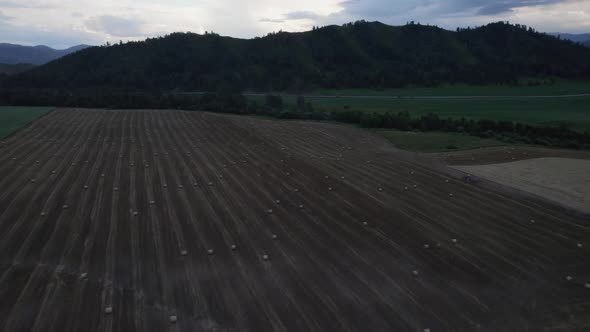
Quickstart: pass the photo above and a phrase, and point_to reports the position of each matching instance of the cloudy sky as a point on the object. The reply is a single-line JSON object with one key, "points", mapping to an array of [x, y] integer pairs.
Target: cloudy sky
{"points": [[63, 23]]}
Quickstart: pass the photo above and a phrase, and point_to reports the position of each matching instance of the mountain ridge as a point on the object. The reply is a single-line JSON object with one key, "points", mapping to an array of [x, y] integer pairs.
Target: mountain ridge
{"points": [[13, 54], [360, 54]]}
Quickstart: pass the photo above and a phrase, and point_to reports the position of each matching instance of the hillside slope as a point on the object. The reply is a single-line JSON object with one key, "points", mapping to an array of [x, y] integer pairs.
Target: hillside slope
{"points": [[354, 55], [16, 54], [15, 69]]}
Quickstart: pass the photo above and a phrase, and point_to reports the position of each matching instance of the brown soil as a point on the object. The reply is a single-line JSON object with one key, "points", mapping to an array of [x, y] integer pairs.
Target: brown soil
{"points": [[345, 239]]}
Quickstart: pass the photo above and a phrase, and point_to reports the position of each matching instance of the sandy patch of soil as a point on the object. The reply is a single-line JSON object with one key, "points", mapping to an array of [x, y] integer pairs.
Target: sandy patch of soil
{"points": [[564, 180]]}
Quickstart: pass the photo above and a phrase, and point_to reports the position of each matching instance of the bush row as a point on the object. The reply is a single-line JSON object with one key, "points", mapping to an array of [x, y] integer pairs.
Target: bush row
{"points": [[273, 106]]}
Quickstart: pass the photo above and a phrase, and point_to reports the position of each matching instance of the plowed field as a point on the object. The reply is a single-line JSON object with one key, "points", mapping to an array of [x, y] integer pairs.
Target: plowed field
{"points": [[188, 221]]}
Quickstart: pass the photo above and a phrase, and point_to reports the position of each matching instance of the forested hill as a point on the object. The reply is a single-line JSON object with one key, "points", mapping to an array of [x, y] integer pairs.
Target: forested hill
{"points": [[360, 54]]}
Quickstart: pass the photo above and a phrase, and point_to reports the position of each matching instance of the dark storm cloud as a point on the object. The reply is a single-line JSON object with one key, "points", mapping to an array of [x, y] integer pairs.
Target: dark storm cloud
{"points": [[384, 8]]}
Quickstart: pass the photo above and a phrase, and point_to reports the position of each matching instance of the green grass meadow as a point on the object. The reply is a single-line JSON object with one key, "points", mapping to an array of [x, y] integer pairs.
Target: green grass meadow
{"points": [[15, 118], [504, 103]]}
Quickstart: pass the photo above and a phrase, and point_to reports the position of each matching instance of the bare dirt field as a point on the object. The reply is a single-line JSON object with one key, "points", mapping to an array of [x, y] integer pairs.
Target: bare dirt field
{"points": [[188, 221], [564, 180]]}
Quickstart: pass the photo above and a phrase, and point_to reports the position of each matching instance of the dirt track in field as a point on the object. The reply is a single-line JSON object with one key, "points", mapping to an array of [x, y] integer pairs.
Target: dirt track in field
{"points": [[359, 236], [506, 154]]}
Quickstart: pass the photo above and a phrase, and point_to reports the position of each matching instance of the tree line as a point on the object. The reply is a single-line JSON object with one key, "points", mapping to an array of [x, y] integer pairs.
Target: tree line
{"points": [[274, 106]]}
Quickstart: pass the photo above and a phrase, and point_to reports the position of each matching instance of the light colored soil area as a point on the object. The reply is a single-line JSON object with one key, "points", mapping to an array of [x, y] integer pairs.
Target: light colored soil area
{"points": [[564, 180]]}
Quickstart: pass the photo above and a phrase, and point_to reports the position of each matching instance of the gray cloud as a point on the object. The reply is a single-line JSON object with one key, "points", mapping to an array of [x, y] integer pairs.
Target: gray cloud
{"points": [[385, 8], [26, 35], [271, 20], [116, 26], [30, 4], [302, 15], [5, 17]]}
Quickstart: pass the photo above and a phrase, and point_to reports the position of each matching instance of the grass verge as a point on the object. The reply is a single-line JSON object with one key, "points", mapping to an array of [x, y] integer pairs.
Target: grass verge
{"points": [[15, 118], [435, 141]]}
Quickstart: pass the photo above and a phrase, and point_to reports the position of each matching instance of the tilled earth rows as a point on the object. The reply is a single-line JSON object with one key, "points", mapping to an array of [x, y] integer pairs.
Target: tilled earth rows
{"points": [[188, 221]]}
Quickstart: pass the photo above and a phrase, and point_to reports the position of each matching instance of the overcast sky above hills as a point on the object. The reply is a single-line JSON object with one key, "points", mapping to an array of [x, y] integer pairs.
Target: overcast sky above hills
{"points": [[63, 23]]}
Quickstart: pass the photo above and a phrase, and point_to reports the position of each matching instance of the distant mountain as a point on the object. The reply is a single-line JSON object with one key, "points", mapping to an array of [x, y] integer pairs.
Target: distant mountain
{"points": [[15, 69], [38, 55], [361, 54], [578, 38], [586, 43]]}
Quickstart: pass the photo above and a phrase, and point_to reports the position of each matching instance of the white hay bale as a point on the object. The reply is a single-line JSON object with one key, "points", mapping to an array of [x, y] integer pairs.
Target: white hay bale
{"points": [[65, 207], [269, 211], [415, 272], [85, 187], [183, 252], [365, 223], [84, 275], [53, 172], [296, 190], [447, 180], [274, 237], [152, 202], [33, 180], [102, 175], [173, 319], [301, 206], [406, 188], [210, 252], [43, 214], [451, 195], [135, 213], [108, 310], [116, 189], [580, 245], [569, 278], [233, 247], [180, 186], [587, 285], [380, 189], [533, 221], [330, 189], [165, 185], [265, 257], [426, 246]]}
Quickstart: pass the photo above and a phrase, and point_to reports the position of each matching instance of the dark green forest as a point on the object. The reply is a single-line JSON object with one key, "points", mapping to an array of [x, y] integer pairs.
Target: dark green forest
{"points": [[355, 55]]}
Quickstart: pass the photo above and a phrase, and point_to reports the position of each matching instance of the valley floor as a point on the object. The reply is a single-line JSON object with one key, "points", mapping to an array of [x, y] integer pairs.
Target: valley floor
{"points": [[189, 221]]}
